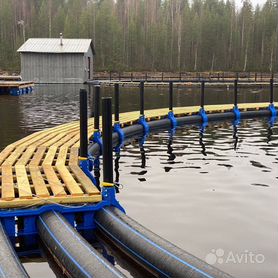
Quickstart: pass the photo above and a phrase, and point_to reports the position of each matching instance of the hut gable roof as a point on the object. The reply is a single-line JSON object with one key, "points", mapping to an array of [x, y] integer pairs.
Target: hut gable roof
{"points": [[54, 46]]}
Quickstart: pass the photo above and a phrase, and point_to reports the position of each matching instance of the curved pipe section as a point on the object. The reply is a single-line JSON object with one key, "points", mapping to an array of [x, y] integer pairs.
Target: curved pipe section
{"points": [[10, 265], [72, 251], [137, 129], [150, 250]]}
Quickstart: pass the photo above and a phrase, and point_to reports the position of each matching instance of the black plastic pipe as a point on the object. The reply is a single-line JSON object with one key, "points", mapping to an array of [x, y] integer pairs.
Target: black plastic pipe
{"points": [[10, 265], [170, 96], [271, 91], [107, 140], [142, 104], [96, 105], [235, 92], [71, 250], [83, 123], [148, 249], [117, 102], [202, 94], [137, 129]]}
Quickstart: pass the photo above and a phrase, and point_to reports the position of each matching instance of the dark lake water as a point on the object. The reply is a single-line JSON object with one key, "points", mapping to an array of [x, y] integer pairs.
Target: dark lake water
{"points": [[202, 194]]}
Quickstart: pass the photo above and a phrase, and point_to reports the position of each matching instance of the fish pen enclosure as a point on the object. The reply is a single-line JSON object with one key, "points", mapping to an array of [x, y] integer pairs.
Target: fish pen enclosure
{"points": [[50, 187]]}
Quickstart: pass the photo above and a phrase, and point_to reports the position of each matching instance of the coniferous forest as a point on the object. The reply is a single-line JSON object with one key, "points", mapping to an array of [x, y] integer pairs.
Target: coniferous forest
{"points": [[153, 35]]}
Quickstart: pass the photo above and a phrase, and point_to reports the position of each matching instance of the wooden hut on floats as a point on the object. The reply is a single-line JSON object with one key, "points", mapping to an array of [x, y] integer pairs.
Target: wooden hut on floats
{"points": [[57, 60]]}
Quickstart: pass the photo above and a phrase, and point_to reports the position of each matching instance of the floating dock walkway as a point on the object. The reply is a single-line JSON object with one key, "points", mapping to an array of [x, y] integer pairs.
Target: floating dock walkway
{"points": [[183, 83]]}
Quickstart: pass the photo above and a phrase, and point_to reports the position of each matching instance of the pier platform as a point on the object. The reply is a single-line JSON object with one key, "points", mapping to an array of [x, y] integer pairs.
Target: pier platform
{"points": [[10, 78], [15, 88], [43, 168], [182, 84]]}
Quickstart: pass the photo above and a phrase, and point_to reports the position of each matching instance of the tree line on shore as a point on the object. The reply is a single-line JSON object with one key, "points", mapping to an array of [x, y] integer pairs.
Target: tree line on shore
{"points": [[153, 35]]}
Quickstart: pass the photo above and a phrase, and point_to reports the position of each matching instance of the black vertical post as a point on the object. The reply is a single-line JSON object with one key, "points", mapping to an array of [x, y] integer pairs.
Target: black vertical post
{"points": [[180, 76], [96, 107], [107, 140], [83, 123], [117, 102], [235, 92], [202, 94], [119, 76], [131, 76], [271, 91], [237, 76], [142, 104], [255, 76], [146, 76], [171, 96]]}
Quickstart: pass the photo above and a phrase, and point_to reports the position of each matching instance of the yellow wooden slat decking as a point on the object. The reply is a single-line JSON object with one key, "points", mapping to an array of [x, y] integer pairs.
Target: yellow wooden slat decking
{"points": [[43, 168]]}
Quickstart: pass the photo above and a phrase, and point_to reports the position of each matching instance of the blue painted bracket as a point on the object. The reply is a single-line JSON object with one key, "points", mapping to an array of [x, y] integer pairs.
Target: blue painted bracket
{"points": [[29, 217], [97, 139], [236, 113], [272, 110], [203, 114], [172, 119], [109, 196], [119, 131], [142, 121], [87, 166]]}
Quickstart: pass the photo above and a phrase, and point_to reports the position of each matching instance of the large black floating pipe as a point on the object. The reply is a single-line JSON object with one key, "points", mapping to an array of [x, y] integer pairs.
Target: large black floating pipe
{"points": [[171, 96], [107, 141], [235, 92], [71, 250], [10, 265], [117, 102], [271, 91], [96, 107], [83, 124], [142, 103], [148, 249]]}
